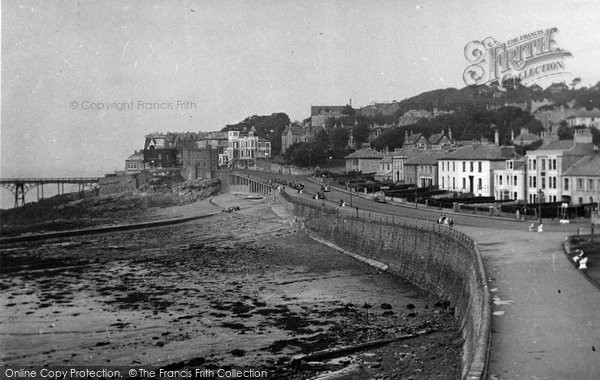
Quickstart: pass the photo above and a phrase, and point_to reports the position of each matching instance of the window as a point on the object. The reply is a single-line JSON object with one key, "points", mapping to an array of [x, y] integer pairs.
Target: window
{"points": [[453, 183], [471, 166], [590, 185], [442, 182], [554, 182], [534, 165], [579, 184], [515, 195], [479, 166], [534, 181], [464, 166], [543, 164], [566, 184], [554, 164], [479, 185], [515, 182], [464, 183], [453, 166], [500, 180]]}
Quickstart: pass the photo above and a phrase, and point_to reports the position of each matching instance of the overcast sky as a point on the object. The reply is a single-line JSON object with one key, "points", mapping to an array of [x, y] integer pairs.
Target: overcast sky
{"points": [[234, 59]]}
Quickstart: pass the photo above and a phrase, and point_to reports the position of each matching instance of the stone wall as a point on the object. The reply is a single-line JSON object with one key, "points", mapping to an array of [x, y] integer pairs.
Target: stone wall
{"points": [[431, 256]]}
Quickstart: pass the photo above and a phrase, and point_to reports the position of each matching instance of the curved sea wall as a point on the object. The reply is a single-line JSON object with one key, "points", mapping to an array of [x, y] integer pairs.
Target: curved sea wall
{"points": [[434, 257]]}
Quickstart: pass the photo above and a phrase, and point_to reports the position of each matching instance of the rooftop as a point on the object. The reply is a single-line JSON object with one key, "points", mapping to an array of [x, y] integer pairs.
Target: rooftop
{"points": [[429, 157], [487, 152], [366, 153], [588, 166]]}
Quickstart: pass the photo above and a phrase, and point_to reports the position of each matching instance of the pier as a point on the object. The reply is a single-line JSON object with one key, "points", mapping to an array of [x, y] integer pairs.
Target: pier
{"points": [[20, 186]]}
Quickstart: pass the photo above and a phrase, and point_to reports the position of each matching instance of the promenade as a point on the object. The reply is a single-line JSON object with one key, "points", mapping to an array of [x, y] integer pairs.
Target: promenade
{"points": [[546, 315]]}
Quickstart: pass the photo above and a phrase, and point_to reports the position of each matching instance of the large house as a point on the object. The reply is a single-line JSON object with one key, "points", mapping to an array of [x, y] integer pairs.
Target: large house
{"points": [[365, 160], [244, 150], [470, 169], [581, 182], [399, 158], [546, 165], [422, 170], [160, 151], [292, 134], [509, 183], [320, 114], [590, 119]]}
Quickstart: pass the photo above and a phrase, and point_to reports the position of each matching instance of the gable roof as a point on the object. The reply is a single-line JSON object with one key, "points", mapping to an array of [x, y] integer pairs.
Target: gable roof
{"points": [[484, 152], [437, 137], [413, 138], [366, 153], [427, 158], [294, 129], [588, 166], [558, 145]]}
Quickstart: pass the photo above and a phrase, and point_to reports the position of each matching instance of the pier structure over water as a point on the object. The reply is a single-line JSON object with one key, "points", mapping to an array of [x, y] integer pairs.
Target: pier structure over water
{"points": [[20, 186]]}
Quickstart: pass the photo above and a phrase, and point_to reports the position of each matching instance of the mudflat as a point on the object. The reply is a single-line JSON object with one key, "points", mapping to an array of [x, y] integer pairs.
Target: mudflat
{"points": [[246, 289]]}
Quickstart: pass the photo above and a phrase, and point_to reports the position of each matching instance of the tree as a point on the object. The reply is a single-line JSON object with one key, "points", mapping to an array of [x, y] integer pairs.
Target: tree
{"points": [[575, 82], [564, 132], [305, 154], [392, 138], [360, 133], [338, 142]]}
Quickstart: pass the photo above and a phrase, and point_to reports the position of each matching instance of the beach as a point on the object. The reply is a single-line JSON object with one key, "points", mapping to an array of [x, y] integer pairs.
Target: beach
{"points": [[245, 289]]}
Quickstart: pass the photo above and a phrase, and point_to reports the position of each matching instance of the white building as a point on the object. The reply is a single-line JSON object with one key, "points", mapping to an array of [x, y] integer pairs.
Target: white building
{"points": [[583, 117], [510, 181], [244, 150], [582, 180], [546, 165], [470, 169]]}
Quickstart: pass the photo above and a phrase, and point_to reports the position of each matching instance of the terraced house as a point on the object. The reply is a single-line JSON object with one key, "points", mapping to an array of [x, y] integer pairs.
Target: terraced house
{"points": [[546, 165], [470, 169]]}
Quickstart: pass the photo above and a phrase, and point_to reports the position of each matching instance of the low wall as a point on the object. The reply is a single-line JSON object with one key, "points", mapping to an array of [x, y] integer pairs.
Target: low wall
{"points": [[433, 257]]}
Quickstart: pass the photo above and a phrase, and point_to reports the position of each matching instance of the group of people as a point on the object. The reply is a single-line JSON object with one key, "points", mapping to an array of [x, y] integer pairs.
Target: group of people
{"points": [[443, 219], [342, 203]]}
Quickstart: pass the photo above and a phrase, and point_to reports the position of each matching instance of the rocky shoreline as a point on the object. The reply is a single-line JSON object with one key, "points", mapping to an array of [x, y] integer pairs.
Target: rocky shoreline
{"points": [[243, 289]]}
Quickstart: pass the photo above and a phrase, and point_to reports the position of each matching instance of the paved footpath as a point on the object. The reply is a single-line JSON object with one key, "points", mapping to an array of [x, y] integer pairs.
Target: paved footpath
{"points": [[546, 315]]}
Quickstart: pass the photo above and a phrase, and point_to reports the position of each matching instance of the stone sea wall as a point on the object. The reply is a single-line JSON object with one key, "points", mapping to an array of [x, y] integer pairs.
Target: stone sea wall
{"points": [[434, 257]]}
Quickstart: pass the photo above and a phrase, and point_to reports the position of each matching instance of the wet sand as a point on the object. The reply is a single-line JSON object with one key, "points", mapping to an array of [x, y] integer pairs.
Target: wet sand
{"points": [[245, 289]]}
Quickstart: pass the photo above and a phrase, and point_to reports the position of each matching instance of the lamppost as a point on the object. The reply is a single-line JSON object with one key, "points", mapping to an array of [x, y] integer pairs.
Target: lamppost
{"points": [[540, 200]]}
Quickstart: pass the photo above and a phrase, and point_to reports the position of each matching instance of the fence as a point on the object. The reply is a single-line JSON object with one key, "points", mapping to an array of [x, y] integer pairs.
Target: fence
{"points": [[434, 257]]}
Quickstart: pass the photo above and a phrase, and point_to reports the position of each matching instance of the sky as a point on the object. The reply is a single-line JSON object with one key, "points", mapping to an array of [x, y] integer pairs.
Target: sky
{"points": [[227, 60]]}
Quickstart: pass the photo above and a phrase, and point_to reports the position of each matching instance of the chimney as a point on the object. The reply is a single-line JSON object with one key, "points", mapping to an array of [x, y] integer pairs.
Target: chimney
{"points": [[496, 137], [350, 102], [583, 136]]}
